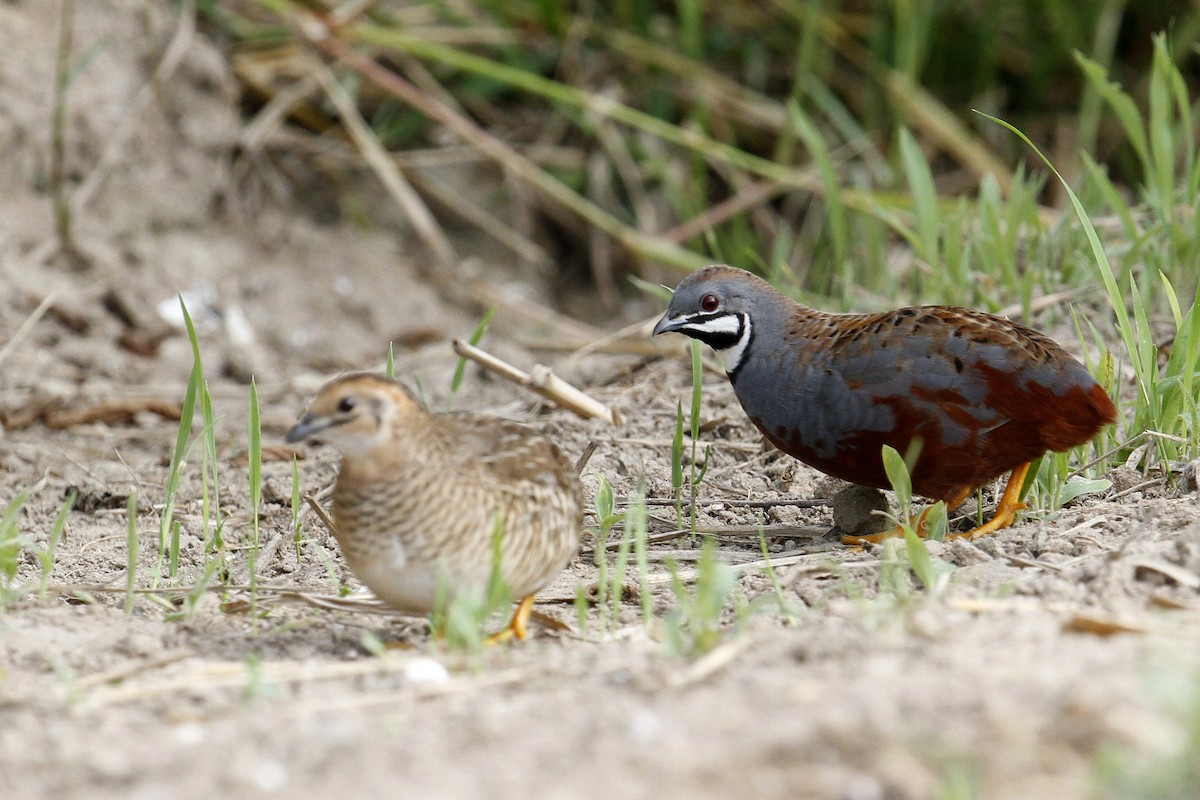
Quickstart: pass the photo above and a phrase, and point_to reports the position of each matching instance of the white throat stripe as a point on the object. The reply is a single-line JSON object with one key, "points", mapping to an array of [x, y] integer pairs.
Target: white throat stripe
{"points": [[731, 357], [726, 323]]}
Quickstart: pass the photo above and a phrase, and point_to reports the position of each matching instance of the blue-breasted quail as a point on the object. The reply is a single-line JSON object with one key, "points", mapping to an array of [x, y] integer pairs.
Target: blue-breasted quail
{"points": [[974, 395]]}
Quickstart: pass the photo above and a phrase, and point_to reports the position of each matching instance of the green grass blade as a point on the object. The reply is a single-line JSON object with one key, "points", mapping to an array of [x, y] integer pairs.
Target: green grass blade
{"points": [[460, 369], [131, 552], [897, 474], [46, 556], [255, 457], [1099, 260]]}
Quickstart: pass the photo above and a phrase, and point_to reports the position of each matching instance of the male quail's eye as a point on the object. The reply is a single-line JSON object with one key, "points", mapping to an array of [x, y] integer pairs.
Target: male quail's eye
{"points": [[709, 303], [347, 404]]}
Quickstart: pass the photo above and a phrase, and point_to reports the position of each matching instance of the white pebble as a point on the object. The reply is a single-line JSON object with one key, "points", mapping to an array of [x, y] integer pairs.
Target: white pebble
{"points": [[426, 670]]}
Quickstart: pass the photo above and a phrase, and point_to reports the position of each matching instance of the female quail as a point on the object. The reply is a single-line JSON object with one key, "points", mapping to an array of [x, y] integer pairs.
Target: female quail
{"points": [[975, 394], [419, 495]]}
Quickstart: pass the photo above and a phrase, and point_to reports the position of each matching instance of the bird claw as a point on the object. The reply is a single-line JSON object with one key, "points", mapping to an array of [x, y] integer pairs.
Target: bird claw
{"points": [[1003, 518], [1006, 513], [517, 627]]}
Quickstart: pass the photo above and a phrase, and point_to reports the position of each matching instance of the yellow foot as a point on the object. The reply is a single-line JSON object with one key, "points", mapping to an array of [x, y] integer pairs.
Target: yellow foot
{"points": [[517, 626], [1006, 513], [1006, 510], [917, 523]]}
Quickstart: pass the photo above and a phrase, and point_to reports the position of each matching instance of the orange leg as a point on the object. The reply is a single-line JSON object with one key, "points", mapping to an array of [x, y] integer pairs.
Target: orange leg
{"points": [[518, 625], [1006, 511], [917, 523]]}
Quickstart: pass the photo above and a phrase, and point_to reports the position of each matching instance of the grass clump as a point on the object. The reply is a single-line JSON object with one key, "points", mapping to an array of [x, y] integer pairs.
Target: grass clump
{"points": [[689, 484], [461, 614], [696, 623], [17, 548]]}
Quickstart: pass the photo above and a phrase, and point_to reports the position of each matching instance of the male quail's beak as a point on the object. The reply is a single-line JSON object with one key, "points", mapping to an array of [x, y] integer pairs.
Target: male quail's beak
{"points": [[308, 425], [667, 325]]}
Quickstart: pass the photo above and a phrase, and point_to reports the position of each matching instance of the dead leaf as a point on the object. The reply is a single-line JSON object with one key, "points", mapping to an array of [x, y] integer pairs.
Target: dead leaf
{"points": [[142, 343], [113, 412], [412, 338], [1172, 572], [272, 452], [1100, 626], [1162, 601], [72, 320], [32, 411]]}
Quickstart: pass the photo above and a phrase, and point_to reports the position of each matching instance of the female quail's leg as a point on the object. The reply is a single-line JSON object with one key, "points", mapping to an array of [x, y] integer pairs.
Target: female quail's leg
{"points": [[517, 627]]}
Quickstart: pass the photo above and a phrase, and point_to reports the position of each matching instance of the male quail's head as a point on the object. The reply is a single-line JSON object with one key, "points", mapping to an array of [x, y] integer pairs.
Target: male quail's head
{"points": [[419, 496], [969, 395], [716, 306]]}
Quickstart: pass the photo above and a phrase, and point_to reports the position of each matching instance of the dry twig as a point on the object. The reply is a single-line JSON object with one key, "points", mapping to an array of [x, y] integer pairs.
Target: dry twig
{"points": [[542, 381]]}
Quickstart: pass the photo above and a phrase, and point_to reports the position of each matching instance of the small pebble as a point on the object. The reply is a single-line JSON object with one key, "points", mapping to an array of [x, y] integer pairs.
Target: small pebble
{"points": [[426, 671]]}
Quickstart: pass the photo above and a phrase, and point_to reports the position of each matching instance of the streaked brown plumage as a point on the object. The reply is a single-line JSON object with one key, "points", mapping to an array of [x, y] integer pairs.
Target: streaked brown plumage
{"points": [[418, 495]]}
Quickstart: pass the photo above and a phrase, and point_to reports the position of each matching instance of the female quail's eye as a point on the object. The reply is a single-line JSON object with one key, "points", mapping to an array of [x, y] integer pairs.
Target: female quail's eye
{"points": [[347, 404], [709, 303]]}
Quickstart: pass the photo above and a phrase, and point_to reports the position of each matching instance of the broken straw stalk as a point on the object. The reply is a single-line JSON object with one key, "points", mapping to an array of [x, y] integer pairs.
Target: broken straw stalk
{"points": [[542, 381]]}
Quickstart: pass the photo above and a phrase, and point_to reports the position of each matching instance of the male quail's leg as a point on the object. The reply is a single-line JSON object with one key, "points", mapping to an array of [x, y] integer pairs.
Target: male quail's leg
{"points": [[1006, 510], [917, 523], [1006, 513]]}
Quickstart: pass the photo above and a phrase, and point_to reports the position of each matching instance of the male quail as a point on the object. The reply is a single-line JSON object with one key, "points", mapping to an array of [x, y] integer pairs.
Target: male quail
{"points": [[419, 495], [976, 394]]}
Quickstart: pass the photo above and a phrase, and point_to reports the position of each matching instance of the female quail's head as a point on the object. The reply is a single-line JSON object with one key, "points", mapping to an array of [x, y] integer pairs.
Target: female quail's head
{"points": [[355, 414]]}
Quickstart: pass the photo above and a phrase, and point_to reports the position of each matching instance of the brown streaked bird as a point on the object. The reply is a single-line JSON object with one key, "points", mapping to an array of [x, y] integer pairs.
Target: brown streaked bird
{"points": [[977, 394], [418, 496]]}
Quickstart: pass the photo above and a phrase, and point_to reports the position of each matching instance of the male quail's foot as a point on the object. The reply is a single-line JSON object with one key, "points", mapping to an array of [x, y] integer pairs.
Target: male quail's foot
{"points": [[972, 395], [419, 495]]}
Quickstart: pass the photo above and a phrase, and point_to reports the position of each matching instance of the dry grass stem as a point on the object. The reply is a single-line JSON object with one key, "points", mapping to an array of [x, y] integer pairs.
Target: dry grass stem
{"points": [[27, 326], [541, 380], [326, 520], [380, 161], [324, 39], [710, 663]]}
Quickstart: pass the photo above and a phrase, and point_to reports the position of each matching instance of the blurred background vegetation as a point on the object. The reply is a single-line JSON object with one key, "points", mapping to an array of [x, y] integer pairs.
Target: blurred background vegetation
{"points": [[853, 152], [833, 146]]}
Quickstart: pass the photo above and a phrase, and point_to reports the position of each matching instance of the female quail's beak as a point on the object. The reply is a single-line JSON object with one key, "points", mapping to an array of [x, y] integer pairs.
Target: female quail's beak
{"points": [[308, 425]]}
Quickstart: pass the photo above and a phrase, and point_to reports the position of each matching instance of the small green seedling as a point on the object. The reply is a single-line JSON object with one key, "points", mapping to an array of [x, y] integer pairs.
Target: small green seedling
{"points": [[254, 454], [693, 626], [45, 556], [461, 616], [460, 369], [131, 552], [933, 573], [11, 544]]}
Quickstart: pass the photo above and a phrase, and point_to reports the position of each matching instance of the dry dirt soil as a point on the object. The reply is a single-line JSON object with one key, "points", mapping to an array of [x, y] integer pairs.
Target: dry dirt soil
{"points": [[1059, 653]]}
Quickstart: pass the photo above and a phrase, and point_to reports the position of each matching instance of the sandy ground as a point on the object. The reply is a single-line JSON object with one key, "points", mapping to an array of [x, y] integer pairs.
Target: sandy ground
{"points": [[1060, 653]]}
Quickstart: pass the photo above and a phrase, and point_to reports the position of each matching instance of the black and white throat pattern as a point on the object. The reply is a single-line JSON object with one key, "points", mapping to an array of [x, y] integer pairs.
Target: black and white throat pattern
{"points": [[728, 333]]}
